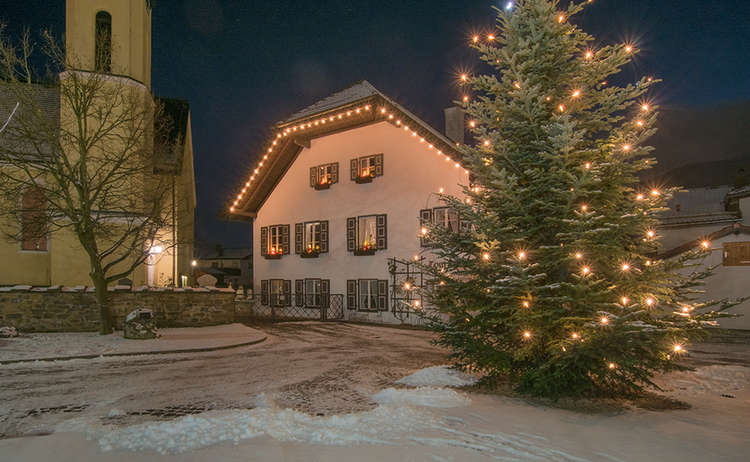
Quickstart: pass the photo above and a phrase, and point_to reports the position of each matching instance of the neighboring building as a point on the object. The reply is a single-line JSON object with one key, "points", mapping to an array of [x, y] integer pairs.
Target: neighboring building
{"points": [[57, 258], [231, 267], [720, 217], [341, 189]]}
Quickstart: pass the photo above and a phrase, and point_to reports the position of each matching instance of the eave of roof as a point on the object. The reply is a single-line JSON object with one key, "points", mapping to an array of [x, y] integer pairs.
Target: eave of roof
{"points": [[357, 106], [736, 228]]}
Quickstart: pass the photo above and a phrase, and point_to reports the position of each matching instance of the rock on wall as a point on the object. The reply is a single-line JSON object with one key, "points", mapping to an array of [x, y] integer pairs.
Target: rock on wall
{"points": [[49, 309]]}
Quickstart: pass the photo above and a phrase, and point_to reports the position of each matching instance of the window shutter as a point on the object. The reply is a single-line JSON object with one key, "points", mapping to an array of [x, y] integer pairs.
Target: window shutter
{"points": [[351, 294], [313, 176], [353, 167], [381, 225], [324, 236], [299, 231], [325, 292], [425, 220], [299, 292], [335, 172], [463, 225], [285, 239], [264, 292], [379, 165], [263, 241], [383, 294], [351, 234], [287, 292]]}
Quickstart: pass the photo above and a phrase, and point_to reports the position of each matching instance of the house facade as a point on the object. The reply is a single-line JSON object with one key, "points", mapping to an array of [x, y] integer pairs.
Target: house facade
{"points": [[338, 200], [717, 217], [57, 258], [232, 267]]}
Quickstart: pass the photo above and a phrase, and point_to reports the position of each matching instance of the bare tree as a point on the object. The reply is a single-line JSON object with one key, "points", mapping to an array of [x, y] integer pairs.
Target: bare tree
{"points": [[93, 170]]}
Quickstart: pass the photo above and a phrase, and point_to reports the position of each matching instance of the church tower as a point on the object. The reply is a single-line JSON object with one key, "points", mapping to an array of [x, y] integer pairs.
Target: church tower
{"points": [[124, 31]]}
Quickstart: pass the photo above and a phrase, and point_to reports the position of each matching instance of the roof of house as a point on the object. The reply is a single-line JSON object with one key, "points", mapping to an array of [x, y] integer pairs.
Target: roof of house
{"points": [[699, 206], [735, 228], [237, 253], [20, 105], [355, 106]]}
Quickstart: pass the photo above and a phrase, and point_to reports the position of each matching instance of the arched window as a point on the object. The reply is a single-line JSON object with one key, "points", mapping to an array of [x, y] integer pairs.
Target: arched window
{"points": [[103, 47], [33, 225]]}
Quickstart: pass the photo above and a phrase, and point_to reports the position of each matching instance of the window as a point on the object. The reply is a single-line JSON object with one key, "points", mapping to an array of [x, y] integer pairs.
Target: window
{"points": [[214, 264], [33, 226], [367, 294], [103, 42], [365, 168], [274, 241], [737, 254], [311, 238], [439, 216], [312, 292], [276, 292], [323, 176], [366, 234]]}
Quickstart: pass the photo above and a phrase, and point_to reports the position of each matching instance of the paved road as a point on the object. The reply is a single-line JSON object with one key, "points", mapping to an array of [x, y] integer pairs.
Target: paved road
{"points": [[317, 368]]}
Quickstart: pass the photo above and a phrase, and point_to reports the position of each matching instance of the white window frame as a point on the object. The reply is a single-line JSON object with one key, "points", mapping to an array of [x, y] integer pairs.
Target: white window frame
{"points": [[313, 293], [366, 166], [274, 240], [368, 294], [308, 240], [362, 230]]}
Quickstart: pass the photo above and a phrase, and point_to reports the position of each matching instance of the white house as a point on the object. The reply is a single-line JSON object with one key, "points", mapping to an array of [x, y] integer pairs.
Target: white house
{"points": [[338, 193], [719, 217]]}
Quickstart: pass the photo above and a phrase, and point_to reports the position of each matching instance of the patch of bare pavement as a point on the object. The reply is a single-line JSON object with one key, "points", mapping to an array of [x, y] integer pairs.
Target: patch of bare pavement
{"points": [[317, 368]]}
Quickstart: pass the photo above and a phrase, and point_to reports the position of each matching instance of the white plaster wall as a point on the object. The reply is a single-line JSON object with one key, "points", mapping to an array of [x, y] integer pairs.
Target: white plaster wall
{"points": [[412, 173], [669, 238], [729, 282]]}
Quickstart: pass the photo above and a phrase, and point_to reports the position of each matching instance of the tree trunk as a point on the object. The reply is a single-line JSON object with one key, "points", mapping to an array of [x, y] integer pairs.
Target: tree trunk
{"points": [[102, 300]]}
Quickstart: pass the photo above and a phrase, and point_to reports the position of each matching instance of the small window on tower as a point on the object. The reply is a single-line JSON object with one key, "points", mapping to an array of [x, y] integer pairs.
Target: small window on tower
{"points": [[103, 47]]}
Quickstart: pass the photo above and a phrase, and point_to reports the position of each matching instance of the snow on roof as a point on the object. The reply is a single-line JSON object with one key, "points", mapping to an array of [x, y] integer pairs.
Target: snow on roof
{"points": [[356, 92]]}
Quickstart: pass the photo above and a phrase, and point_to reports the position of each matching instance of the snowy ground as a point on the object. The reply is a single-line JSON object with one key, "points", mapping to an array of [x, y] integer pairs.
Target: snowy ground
{"points": [[344, 392], [50, 345]]}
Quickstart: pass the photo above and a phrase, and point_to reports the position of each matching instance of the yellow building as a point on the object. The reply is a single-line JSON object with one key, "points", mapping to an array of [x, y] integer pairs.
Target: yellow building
{"points": [[58, 258]]}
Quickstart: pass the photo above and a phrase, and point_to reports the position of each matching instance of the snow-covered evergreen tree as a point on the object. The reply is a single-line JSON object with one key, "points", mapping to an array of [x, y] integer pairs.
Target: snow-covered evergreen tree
{"points": [[555, 278]]}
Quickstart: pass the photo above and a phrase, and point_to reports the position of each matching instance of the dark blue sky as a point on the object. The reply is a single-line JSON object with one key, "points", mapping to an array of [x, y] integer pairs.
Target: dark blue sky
{"points": [[244, 65]]}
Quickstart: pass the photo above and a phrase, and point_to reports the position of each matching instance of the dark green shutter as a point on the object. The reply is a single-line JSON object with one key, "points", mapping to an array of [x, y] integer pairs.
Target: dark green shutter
{"points": [[285, 239], [264, 241], [287, 292], [335, 172], [353, 169], [378, 164], [351, 294], [425, 220], [325, 292], [299, 292], [383, 294], [299, 231], [313, 176], [381, 228], [264, 293], [324, 236], [351, 234]]}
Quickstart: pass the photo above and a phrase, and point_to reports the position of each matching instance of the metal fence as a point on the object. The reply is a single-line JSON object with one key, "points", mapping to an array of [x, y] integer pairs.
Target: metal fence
{"points": [[331, 309]]}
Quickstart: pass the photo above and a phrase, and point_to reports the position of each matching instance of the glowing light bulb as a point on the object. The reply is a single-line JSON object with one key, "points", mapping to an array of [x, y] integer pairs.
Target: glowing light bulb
{"points": [[677, 348], [650, 301], [490, 37], [526, 304], [624, 301], [589, 54], [407, 286], [611, 365], [486, 142], [625, 267], [464, 77], [475, 39], [465, 99], [705, 244], [626, 147], [485, 256], [576, 93], [522, 255], [442, 283], [526, 334], [585, 270], [423, 231], [628, 48], [472, 124], [579, 255], [561, 108], [560, 18], [517, 84], [584, 208], [645, 107], [604, 320], [648, 262], [508, 6], [639, 197], [650, 233], [416, 257], [640, 123], [587, 165], [655, 192]]}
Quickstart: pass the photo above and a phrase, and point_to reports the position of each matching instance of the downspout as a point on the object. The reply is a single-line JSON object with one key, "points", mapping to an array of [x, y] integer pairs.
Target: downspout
{"points": [[174, 238]]}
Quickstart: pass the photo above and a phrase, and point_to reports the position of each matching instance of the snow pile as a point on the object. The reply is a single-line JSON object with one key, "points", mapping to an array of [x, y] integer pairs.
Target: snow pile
{"points": [[381, 425], [422, 396], [716, 379], [438, 376]]}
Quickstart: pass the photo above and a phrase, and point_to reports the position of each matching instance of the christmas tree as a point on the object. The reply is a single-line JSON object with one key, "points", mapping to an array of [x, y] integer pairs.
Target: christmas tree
{"points": [[554, 279]]}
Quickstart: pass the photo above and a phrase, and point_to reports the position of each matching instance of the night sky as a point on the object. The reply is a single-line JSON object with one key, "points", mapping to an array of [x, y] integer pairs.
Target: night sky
{"points": [[244, 65]]}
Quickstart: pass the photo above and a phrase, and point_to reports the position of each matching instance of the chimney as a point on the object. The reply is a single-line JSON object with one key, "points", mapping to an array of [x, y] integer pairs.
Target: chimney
{"points": [[454, 124]]}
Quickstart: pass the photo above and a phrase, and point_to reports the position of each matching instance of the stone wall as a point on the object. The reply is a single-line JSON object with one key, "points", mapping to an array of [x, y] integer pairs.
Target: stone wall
{"points": [[49, 309]]}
